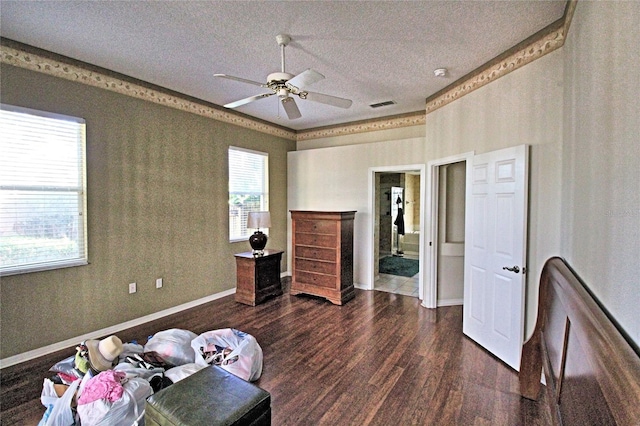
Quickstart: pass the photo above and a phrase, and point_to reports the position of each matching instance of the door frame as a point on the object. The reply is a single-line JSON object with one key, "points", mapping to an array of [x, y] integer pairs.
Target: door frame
{"points": [[430, 290], [404, 168]]}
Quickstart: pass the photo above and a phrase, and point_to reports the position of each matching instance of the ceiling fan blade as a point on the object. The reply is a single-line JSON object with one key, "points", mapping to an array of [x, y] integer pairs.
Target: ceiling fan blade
{"points": [[291, 108], [326, 99], [247, 100], [243, 80], [304, 79]]}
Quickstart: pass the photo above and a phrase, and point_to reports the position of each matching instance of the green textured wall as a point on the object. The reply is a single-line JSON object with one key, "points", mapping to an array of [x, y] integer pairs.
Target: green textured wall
{"points": [[157, 207]]}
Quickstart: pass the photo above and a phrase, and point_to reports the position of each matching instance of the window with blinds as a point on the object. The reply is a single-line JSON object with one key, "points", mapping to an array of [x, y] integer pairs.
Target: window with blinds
{"points": [[42, 191], [248, 189]]}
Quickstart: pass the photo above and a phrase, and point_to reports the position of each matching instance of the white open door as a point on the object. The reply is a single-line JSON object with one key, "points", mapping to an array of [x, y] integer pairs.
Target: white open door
{"points": [[495, 252]]}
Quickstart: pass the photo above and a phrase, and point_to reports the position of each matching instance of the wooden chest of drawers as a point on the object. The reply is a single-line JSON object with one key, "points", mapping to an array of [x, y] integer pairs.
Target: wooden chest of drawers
{"points": [[323, 254]]}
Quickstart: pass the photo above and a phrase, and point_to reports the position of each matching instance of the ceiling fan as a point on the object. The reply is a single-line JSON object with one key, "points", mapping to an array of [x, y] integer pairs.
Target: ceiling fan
{"points": [[284, 85]]}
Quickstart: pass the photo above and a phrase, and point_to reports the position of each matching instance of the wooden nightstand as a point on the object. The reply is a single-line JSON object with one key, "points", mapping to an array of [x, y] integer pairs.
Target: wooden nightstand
{"points": [[258, 277]]}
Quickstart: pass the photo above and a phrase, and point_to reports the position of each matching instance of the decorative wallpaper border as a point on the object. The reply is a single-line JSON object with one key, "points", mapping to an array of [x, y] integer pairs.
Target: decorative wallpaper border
{"points": [[411, 119], [66, 71], [546, 41]]}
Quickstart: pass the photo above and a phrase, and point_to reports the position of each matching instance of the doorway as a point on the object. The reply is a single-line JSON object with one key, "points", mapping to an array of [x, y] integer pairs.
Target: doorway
{"points": [[398, 253], [495, 227], [446, 201]]}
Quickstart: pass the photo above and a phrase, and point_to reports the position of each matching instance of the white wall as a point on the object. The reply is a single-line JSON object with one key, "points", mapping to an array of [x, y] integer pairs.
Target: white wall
{"points": [[338, 179], [601, 164]]}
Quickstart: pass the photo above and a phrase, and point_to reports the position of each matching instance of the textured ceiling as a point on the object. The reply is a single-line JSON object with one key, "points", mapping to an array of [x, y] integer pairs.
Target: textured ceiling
{"points": [[368, 51]]}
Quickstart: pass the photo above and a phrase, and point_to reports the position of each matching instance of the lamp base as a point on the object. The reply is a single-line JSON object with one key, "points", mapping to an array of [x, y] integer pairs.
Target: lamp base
{"points": [[258, 241]]}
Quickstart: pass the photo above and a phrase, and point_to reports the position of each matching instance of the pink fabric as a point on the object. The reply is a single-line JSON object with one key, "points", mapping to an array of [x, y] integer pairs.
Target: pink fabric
{"points": [[106, 385], [67, 378]]}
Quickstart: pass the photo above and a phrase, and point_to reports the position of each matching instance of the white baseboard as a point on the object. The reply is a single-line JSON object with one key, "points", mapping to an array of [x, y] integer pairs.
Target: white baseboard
{"points": [[450, 302], [26, 356]]}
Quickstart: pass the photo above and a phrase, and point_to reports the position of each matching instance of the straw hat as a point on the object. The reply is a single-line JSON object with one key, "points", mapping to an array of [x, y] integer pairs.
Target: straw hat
{"points": [[104, 353]]}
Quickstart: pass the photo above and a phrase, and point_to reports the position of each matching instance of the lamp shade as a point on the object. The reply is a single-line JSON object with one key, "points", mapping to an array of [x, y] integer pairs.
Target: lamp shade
{"points": [[258, 220]]}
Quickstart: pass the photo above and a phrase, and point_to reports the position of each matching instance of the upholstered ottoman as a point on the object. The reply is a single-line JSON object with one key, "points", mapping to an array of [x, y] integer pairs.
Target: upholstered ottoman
{"points": [[212, 396]]}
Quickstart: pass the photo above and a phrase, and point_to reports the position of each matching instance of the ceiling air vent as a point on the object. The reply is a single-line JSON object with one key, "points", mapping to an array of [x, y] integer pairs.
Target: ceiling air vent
{"points": [[382, 104]]}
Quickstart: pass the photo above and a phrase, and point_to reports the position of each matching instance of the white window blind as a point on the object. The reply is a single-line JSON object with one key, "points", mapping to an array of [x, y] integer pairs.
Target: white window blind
{"points": [[248, 189], [42, 191]]}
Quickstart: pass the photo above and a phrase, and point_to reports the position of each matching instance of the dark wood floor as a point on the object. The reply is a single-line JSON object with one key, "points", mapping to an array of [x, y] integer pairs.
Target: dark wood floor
{"points": [[380, 359]]}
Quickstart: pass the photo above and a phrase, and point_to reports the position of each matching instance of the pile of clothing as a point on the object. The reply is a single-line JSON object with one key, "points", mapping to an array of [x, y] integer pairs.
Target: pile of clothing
{"points": [[107, 382]]}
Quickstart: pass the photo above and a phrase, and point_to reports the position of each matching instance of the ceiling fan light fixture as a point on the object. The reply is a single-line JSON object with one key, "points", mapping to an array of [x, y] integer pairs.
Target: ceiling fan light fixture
{"points": [[282, 93]]}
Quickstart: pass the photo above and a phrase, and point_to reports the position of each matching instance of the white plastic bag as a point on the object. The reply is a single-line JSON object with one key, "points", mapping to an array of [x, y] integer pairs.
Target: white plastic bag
{"points": [[48, 399], [174, 346], [67, 366], [58, 409], [126, 411], [176, 374], [244, 358], [130, 349]]}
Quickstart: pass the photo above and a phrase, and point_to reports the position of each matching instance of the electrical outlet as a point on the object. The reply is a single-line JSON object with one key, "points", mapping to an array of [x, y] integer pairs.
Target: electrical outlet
{"points": [[159, 283], [132, 288]]}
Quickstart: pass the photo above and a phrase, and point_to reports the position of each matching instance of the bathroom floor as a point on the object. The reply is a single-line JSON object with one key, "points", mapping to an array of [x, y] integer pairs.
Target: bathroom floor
{"points": [[407, 286]]}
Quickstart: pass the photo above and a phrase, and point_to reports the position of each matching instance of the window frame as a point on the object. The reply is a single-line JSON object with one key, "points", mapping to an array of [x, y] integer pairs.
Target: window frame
{"points": [[80, 189], [264, 194]]}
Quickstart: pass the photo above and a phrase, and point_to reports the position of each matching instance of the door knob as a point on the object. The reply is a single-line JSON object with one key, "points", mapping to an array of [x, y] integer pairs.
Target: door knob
{"points": [[515, 269]]}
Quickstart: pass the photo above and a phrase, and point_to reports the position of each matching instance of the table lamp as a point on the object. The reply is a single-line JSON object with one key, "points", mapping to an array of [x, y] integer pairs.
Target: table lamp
{"points": [[258, 240]]}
